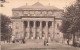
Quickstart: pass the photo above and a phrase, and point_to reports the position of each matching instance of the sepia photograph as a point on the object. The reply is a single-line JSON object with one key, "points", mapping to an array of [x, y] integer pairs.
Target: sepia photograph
{"points": [[39, 24]]}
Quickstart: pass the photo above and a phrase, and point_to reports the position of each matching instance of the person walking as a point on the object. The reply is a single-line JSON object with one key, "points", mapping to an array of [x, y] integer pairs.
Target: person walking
{"points": [[47, 42], [23, 41]]}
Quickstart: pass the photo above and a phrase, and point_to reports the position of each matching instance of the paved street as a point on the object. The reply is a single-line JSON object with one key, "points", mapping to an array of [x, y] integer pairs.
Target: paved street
{"points": [[38, 46]]}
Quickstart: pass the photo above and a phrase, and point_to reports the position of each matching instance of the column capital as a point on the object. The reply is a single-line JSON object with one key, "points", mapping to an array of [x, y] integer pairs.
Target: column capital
{"points": [[34, 21], [46, 21]]}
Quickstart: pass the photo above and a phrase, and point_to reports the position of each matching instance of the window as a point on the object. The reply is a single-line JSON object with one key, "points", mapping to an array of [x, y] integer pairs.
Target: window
{"points": [[37, 12], [44, 12], [58, 33], [31, 12], [17, 27], [16, 34], [16, 13], [26, 13], [57, 25], [49, 12]]}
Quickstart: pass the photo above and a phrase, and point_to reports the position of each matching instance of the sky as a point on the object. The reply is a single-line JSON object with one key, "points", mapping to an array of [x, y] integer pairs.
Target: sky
{"points": [[9, 4]]}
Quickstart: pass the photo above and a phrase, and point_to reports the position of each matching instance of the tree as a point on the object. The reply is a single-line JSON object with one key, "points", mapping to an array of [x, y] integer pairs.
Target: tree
{"points": [[5, 28], [64, 29], [71, 20]]}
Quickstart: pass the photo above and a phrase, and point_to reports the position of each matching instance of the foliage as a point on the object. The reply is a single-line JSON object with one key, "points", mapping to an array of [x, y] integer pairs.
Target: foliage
{"points": [[5, 28], [71, 20]]}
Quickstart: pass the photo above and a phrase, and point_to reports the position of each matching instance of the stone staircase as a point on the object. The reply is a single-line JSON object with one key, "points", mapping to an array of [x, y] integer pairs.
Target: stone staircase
{"points": [[38, 41], [34, 41]]}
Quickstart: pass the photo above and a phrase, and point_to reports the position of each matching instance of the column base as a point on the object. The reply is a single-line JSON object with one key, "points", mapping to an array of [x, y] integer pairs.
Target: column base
{"points": [[32, 38], [43, 37]]}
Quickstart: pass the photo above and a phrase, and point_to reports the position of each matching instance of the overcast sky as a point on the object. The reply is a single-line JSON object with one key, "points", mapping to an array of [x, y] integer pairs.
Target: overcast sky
{"points": [[7, 9]]}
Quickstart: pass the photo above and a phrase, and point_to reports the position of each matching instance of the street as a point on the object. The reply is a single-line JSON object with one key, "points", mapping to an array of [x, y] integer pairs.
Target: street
{"points": [[37, 46]]}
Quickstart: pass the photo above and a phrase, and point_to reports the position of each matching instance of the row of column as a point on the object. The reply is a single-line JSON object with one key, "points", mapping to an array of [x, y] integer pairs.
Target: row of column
{"points": [[40, 35]]}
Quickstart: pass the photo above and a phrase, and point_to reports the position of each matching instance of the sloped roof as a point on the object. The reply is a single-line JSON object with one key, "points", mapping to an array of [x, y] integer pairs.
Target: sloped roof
{"points": [[37, 5]]}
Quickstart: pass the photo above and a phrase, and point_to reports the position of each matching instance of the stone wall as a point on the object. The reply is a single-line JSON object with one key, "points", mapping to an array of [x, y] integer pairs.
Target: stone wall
{"points": [[18, 29], [53, 13]]}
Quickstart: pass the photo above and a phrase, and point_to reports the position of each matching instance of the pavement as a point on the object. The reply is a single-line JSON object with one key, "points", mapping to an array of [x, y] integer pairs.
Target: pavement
{"points": [[37, 46]]}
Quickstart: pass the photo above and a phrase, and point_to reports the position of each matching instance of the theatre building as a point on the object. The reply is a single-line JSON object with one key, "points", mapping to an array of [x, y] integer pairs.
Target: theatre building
{"points": [[36, 21]]}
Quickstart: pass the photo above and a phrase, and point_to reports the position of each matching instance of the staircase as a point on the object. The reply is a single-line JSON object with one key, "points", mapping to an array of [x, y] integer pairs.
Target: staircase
{"points": [[34, 41], [38, 41]]}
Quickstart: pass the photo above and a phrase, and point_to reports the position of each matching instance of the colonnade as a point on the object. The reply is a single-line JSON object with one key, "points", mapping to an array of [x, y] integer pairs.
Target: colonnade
{"points": [[41, 29]]}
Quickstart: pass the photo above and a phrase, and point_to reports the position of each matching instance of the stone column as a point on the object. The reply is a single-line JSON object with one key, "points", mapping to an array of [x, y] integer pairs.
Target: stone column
{"points": [[28, 26], [52, 34], [22, 30], [13, 32], [34, 32], [46, 36], [40, 29]]}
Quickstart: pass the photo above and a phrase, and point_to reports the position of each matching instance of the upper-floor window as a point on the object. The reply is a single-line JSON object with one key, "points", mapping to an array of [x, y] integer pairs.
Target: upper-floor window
{"points": [[57, 33], [57, 25], [26, 13], [44, 12], [50, 13], [31, 12], [17, 27], [37, 12]]}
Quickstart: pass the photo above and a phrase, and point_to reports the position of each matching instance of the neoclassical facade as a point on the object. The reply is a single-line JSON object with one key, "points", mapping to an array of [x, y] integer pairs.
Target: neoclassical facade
{"points": [[36, 22]]}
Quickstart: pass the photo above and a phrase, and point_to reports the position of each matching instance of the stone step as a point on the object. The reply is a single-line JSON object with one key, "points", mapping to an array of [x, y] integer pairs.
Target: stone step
{"points": [[34, 41], [38, 41]]}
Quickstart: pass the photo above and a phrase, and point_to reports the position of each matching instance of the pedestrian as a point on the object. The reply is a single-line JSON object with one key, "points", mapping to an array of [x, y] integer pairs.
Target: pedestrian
{"points": [[68, 41], [13, 41], [23, 41], [47, 42]]}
